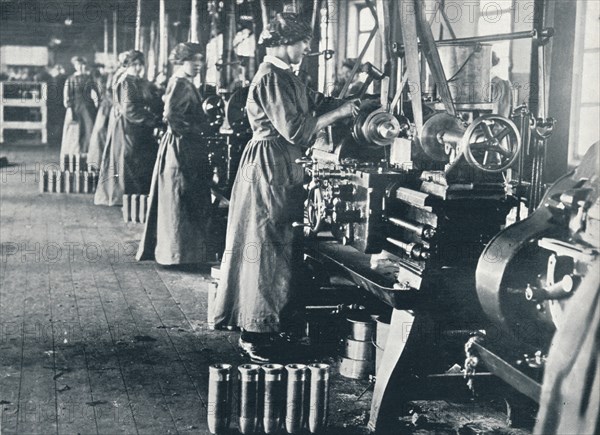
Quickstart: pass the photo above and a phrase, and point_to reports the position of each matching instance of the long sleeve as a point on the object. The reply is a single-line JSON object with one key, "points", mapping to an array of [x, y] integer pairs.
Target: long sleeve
{"points": [[178, 108], [277, 94], [132, 102], [68, 97]]}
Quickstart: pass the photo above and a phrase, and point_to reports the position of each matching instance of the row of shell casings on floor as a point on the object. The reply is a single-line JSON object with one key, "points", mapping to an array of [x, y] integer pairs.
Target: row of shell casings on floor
{"points": [[135, 208], [270, 398], [74, 162], [55, 181]]}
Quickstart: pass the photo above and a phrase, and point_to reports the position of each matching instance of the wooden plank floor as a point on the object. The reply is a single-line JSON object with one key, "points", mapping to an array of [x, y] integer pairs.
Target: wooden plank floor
{"points": [[93, 342]]}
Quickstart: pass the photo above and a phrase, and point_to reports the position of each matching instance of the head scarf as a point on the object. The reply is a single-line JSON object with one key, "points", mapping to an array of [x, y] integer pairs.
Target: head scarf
{"points": [[285, 29], [184, 51]]}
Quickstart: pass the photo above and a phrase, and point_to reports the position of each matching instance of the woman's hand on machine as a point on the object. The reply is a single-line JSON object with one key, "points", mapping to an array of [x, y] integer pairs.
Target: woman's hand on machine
{"points": [[349, 108]]}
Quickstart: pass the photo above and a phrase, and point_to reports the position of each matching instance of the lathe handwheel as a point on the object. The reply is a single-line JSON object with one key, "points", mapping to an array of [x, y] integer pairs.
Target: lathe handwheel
{"points": [[315, 210], [491, 143]]}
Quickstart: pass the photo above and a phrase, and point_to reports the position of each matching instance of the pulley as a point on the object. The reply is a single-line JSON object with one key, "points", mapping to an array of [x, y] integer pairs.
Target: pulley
{"points": [[376, 127], [491, 143]]}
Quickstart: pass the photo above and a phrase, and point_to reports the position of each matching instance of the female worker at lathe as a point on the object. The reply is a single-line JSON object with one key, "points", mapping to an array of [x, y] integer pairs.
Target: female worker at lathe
{"points": [[258, 285], [178, 215]]}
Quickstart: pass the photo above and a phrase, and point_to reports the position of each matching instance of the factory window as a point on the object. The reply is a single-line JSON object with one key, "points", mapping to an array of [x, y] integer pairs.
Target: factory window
{"points": [[496, 17], [361, 18], [585, 112]]}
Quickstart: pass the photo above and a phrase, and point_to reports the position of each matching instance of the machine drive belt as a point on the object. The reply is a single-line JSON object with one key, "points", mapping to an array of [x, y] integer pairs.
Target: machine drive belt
{"points": [[408, 24], [433, 58]]}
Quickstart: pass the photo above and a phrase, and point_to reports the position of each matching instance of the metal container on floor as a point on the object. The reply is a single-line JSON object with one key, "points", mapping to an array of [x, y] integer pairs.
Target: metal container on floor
{"points": [[219, 398], [135, 207], [356, 369], [362, 326], [67, 182], [249, 400], [58, 186], [126, 209], [74, 163], [319, 397], [86, 182], [274, 397], [43, 181], [295, 413], [383, 329], [77, 182], [359, 350], [143, 207]]}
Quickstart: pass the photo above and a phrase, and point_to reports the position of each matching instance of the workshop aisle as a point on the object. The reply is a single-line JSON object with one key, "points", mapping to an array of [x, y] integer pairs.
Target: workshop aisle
{"points": [[92, 341]]}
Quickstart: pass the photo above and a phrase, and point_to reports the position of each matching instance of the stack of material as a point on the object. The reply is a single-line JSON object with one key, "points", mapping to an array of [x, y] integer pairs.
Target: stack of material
{"points": [[358, 359], [135, 208], [73, 176]]}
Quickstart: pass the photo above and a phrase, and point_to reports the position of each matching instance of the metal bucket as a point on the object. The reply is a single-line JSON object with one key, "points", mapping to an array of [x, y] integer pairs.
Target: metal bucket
{"points": [[467, 70], [362, 326], [383, 329], [356, 369], [359, 350]]}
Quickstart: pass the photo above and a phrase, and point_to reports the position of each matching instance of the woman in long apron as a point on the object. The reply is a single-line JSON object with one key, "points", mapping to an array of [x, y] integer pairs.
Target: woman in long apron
{"points": [[78, 99], [261, 254], [130, 151], [175, 231], [102, 123]]}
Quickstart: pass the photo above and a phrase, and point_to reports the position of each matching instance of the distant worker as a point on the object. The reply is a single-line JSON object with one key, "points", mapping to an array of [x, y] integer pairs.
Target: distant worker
{"points": [[131, 148], [78, 97], [501, 90], [344, 77]]}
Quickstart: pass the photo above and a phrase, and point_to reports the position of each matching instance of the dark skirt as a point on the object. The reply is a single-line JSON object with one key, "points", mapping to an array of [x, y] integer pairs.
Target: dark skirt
{"points": [[127, 162], [179, 204]]}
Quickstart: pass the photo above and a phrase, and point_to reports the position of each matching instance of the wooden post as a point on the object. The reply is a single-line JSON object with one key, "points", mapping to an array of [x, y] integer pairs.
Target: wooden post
{"points": [[163, 38], [194, 23], [138, 25], [228, 35], [106, 40], [115, 23]]}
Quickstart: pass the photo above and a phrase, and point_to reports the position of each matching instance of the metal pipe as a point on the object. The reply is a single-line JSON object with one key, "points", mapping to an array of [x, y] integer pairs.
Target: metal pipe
{"points": [[424, 231], [295, 400], [414, 250], [219, 398], [546, 33], [248, 409], [274, 397], [319, 397]]}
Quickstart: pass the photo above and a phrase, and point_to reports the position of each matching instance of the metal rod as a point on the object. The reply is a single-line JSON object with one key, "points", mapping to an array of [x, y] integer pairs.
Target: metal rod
{"points": [[547, 32], [424, 231]]}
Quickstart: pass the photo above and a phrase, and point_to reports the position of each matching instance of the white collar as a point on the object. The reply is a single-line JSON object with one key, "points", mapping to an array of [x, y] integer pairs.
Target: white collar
{"points": [[277, 62]]}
